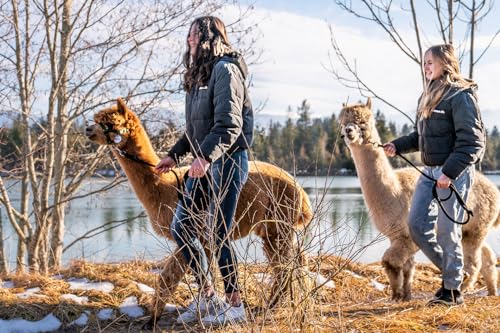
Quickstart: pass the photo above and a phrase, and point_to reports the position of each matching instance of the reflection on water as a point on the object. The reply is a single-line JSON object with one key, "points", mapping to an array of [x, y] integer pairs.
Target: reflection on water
{"points": [[341, 225]]}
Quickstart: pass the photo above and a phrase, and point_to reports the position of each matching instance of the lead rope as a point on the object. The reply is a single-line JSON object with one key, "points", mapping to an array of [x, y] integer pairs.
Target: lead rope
{"points": [[180, 185], [453, 190]]}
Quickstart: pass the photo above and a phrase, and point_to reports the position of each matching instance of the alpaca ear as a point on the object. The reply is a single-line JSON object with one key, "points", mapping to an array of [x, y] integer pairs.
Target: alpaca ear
{"points": [[369, 103], [122, 107]]}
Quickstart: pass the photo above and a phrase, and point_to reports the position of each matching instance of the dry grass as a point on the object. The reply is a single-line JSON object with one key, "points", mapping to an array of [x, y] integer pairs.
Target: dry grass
{"points": [[354, 305]]}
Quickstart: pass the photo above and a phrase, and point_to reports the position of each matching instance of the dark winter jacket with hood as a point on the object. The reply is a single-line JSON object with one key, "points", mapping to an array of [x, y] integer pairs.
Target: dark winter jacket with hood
{"points": [[453, 136], [219, 116]]}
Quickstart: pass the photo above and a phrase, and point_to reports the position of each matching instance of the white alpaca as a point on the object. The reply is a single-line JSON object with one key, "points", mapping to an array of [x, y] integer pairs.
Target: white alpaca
{"points": [[388, 192]]}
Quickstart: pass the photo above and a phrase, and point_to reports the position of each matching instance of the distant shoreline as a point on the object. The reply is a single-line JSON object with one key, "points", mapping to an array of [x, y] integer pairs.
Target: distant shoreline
{"points": [[334, 173]]}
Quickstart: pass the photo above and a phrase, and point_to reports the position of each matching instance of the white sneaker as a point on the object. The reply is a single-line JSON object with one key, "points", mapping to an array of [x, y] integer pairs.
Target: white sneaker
{"points": [[226, 315], [201, 306]]}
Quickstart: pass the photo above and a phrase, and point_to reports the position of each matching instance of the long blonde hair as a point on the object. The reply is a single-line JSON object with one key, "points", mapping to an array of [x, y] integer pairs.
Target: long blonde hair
{"points": [[435, 90]]}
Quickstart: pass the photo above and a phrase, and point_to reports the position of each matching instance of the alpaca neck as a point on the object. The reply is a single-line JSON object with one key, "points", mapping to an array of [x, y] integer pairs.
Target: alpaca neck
{"points": [[378, 180], [145, 181]]}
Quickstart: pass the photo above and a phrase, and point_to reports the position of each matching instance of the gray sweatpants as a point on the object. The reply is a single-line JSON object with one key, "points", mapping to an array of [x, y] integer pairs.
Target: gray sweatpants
{"points": [[439, 238]]}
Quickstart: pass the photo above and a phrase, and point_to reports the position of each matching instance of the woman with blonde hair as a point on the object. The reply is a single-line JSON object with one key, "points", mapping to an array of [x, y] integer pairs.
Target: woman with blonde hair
{"points": [[449, 133]]}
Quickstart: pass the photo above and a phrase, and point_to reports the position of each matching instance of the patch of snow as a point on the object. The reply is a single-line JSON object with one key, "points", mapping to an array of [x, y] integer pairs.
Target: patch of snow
{"points": [[320, 280], [81, 321], [482, 293], [57, 277], [130, 307], [357, 276], [155, 270], [145, 288], [47, 324], [105, 314], [31, 292], [170, 307], [84, 284], [263, 278], [76, 299], [7, 284], [378, 285]]}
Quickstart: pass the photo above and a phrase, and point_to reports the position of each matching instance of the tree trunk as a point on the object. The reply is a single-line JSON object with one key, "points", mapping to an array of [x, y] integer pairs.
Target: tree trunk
{"points": [[3, 260], [450, 21], [472, 37], [61, 133], [21, 243], [21, 254]]}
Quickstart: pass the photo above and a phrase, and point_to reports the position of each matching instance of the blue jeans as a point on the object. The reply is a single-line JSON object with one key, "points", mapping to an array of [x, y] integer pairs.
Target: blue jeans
{"points": [[205, 216], [444, 245]]}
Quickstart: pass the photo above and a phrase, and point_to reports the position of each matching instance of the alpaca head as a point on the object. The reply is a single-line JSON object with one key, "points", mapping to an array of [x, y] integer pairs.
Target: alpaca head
{"points": [[113, 126], [357, 123]]}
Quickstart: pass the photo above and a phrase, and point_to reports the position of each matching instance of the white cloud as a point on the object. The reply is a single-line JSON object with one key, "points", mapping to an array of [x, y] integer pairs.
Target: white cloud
{"points": [[296, 52], [296, 56]]}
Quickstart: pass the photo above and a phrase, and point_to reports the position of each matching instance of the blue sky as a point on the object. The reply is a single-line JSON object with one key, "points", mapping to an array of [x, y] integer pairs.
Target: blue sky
{"points": [[297, 50]]}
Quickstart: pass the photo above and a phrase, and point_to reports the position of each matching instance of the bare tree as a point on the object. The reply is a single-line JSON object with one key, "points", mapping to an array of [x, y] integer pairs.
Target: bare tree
{"points": [[59, 61], [450, 17]]}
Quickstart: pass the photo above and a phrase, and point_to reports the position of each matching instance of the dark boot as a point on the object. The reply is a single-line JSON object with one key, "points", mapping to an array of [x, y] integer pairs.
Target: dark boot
{"points": [[439, 292], [447, 297]]}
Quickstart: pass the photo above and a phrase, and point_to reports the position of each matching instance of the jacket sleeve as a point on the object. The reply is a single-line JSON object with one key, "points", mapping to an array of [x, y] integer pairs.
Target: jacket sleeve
{"points": [[469, 131], [408, 143], [180, 148], [228, 104]]}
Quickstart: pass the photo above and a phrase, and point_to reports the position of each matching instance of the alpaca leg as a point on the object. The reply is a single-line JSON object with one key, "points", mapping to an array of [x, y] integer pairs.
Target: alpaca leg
{"points": [[394, 260], [472, 262], [278, 250], [489, 270], [167, 282], [395, 279], [408, 271]]}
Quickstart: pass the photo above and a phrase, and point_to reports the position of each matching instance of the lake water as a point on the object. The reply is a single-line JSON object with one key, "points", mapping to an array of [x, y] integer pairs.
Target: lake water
{"points": [[341, 226]]}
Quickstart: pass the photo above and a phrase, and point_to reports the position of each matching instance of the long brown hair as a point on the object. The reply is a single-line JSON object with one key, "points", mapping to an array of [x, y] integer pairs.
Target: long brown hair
{"points": [[213, 44], [435, 90]]}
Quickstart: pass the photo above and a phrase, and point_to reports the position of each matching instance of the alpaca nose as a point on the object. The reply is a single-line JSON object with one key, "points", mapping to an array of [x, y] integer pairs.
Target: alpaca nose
{"points": [[89, 130], [349, 129]]}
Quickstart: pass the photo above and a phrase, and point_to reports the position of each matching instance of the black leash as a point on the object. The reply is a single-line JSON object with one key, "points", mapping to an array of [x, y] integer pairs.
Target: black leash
{"points": [[180, 185], [453, 190]]}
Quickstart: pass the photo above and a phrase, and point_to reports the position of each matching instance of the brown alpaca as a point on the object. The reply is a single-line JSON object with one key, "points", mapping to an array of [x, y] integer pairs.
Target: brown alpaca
{"points": [[387, 193], [271, 203]]}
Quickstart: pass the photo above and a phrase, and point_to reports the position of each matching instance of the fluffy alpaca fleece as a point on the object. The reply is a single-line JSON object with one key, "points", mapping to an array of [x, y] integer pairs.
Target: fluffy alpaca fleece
{"points": [[388, 192], [271, 204]]}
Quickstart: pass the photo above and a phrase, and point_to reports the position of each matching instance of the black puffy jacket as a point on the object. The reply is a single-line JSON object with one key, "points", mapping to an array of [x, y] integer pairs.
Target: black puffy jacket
{"points": [[219, 116], [453, 136]]}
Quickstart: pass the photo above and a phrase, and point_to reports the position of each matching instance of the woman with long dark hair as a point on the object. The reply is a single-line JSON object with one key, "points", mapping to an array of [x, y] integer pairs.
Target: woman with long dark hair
{"points": [[219, 131]]}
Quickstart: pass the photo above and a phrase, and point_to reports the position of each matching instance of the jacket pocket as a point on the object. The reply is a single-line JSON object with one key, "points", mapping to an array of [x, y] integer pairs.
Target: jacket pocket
{"points": [[438, 124]]}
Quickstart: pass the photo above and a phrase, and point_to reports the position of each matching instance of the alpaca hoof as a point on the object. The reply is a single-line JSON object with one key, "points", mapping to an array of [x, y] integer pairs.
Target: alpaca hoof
{"points": [[150, 325], [492, 292], [397, 297]]}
